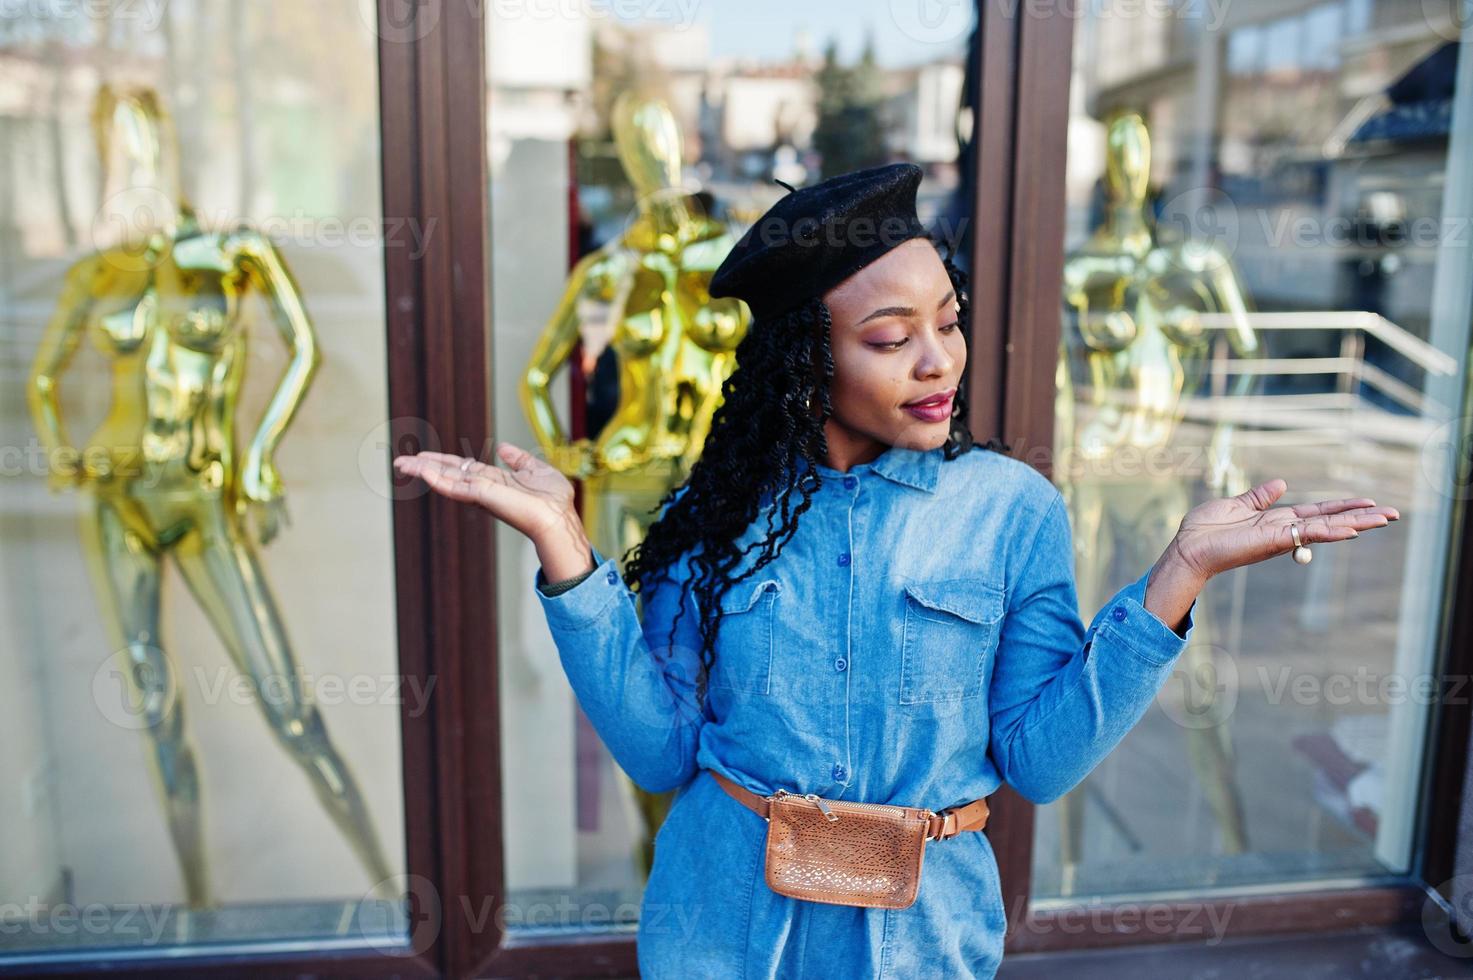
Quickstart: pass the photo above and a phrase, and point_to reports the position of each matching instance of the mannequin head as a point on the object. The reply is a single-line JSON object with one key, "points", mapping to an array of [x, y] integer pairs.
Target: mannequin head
{"points": [[648, 140], [139, 161]]}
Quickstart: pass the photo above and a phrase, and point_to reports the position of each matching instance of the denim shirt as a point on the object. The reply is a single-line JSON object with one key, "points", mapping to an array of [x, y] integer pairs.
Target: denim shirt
{"points": [[917, 642]]}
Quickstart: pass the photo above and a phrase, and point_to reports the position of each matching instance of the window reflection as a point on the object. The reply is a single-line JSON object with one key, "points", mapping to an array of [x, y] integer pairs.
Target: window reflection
{"points": [[1245, 297], [197, 579], [608, 354]]}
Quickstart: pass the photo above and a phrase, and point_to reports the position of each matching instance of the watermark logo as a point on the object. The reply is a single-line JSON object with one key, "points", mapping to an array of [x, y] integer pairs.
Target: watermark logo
{"points": [[933, 21], [134, 688], [1449, 927], [1202, 691], [399, 21], [1446, 459], [1449, 19], [1201, 226], [420, 909]]}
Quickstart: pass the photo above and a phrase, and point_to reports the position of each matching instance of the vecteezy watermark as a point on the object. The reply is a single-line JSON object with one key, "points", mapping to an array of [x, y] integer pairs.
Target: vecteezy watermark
{"points": [[678, 14], [946, 21], [148, 14], [34, 459], [934, 21], [564, 912], [1199, 227], [1361, 687], [412, 903], [1206, 921], [400, 436], [1449, 19], [1071, 464], [280, 690], [1202, 691], [861, 231], [1359, 229], [399, 21], [1446, 458], [407, 436], [137, 688], [402, 21], [126, 923], [124, 224], [1448, 922]]}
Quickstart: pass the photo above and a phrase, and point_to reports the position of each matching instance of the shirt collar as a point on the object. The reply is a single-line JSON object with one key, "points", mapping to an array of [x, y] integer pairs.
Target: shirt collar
{"points": [[917, 468]]}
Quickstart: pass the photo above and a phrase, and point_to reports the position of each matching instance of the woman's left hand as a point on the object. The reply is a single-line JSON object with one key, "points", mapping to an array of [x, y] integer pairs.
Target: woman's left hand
{"points": [[1230, 531]]}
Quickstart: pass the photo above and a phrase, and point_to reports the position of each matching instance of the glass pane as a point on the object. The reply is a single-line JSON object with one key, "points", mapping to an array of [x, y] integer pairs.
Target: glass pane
{"points": [[608, 215], [1266, 276], [201, 715]]}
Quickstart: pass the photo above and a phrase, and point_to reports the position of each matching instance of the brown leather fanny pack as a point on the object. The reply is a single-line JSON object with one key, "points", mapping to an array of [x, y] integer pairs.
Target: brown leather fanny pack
{"points": [[847, 853]]}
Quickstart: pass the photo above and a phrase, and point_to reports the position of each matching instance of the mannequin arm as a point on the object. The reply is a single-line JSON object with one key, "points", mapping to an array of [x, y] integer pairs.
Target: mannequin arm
{"points": [[267, 272], [553, 349], [57, 348]]}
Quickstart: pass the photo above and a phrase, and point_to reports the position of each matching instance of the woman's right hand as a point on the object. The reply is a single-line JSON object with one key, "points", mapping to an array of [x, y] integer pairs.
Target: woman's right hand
{"points": [[531, 496]]}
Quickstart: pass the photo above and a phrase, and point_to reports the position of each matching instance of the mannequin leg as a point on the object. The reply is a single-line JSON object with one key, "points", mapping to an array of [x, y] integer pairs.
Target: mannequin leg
{"points": [[219, 564], [124, 562]]}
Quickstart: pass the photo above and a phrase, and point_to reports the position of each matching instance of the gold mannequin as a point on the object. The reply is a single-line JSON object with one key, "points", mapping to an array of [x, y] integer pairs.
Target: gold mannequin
{"points": [[674, 345], [164, 308], [674, 342], [1133, 324]]}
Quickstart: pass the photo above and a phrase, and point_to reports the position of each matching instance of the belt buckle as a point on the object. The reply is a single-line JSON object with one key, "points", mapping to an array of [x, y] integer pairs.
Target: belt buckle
{"points": [[945, 815]]}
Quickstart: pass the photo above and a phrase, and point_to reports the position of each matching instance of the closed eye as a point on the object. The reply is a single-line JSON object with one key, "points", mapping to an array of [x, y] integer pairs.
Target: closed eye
{"points": [[897, 344]]}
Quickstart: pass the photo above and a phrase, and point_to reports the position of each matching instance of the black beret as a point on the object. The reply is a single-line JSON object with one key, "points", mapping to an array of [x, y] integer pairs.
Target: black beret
{"points": [[815, 237]]}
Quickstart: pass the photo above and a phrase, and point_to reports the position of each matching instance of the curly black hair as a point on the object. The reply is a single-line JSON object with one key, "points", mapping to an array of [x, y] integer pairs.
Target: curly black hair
{"points": [[766, 436]]}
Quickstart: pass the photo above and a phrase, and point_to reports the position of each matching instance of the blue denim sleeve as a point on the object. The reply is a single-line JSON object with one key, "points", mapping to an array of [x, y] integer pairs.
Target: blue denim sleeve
{"points": [[637, 688], [1062, 696]]}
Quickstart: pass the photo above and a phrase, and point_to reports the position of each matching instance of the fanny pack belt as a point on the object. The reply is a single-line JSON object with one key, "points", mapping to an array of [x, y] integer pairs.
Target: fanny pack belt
{"points": [[947, 823]]}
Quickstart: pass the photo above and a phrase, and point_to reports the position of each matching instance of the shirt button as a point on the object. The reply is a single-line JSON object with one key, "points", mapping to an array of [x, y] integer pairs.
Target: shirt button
{"points": [[613, 576], [770, 587], [844, 558], [840, 772], [850, 482], [840, 664], [1118, 613]]}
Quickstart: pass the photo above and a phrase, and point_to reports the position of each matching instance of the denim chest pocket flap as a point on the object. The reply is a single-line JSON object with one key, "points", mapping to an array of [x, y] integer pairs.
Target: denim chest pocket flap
{"points": [[745, 640], [951, 628]]}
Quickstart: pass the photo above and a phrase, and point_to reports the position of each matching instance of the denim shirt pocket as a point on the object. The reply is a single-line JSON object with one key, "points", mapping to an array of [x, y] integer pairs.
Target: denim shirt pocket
{"points": [[951, 629], [745, 638]]}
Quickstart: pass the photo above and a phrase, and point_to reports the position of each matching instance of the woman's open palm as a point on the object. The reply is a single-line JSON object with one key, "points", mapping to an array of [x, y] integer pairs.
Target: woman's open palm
{"points": [[531, 496], [1230, 531]]}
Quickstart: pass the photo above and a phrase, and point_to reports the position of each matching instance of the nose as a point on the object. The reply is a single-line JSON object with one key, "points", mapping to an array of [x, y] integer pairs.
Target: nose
{"points": [[935, 361]]}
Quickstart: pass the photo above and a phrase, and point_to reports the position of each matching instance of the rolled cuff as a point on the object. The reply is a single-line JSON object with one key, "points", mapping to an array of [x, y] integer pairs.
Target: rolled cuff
{"points": [[1142, 630], [583, 604]]}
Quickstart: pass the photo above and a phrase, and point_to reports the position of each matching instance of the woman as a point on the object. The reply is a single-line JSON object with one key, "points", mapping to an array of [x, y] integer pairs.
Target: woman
{"points": [[902, 629]]}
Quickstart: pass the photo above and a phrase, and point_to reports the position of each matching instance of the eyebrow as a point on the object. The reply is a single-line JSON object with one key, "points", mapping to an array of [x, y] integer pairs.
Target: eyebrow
{"points": [[902, 310]]}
